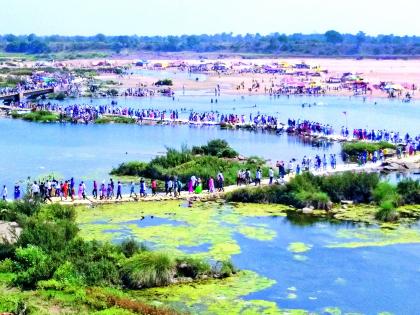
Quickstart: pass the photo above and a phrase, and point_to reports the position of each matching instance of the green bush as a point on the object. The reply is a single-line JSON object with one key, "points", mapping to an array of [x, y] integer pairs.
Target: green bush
{"points": [[13, 304], [6, 265], [67, 275], [50, 236], [148, 269], [192, 267], [409, 191], [96, 263], [216, 147], [384, 191], [115, 119], [387, 212], [164, 82], [130, 247], [353, 186], [43, 116], [132, 168], [356, 147], [32, 265], [225, 269]]}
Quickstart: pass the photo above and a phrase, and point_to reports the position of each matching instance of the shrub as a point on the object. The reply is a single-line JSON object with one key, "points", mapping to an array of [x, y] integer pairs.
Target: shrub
{"points": [[133, 168], [409, 190], [44, 116], [48, 235], [56, 211], [32, 265], [115, 119], [387, 212], [355, 148], [192, 267], [130, 247], [216, 147], [317, 199], [94, 262], [67, 275], [164, 82], [148, 269], [385, 191], [13, 304], [6, 265], [225, 269], [353, 186]]}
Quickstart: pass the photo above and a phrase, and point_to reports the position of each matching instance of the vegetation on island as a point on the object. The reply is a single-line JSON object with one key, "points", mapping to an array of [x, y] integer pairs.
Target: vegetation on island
{"points": [[115, 119], [354, 148], [167, 82], [43, 116], [322, 192], [201, 161], [331, 43], [50, 257]]}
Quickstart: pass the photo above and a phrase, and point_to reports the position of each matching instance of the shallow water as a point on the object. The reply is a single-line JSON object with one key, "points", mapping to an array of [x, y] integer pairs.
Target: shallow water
{"points": [[315, 266], [385, 114], [89, 152]]}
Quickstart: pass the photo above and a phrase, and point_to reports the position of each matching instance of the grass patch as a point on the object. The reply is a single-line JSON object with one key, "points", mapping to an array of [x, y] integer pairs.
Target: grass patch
{"points": [[43, 116], [354, 148], [115, 120]]}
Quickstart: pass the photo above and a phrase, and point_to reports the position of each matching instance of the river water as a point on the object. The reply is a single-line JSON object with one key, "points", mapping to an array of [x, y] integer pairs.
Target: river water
{"points": [[88, 152], [367, 279]]}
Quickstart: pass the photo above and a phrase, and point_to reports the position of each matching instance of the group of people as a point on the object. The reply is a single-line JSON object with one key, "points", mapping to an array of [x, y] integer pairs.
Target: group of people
{"points": [[308, 127]]}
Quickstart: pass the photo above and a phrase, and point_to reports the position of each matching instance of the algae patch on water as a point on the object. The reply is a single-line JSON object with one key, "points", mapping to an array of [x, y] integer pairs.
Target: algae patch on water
{"points": [[177, 226], [217, 296], [365, 237], [298, 247]]}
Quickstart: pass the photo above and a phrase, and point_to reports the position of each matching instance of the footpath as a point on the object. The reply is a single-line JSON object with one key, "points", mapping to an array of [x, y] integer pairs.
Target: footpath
{"points": [[409, 163]]}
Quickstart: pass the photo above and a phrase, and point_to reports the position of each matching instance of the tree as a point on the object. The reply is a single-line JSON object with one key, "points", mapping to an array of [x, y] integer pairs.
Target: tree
{"points": [[333, 37]]}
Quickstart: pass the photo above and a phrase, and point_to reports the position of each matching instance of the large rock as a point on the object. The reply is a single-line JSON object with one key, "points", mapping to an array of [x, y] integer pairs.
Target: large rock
{"points": [[9, 232], [307, 210]]}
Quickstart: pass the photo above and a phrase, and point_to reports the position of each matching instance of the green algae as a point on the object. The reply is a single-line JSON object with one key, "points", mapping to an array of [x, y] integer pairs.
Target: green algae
{"points": [[356, 213], [207, 223], [367, 237], [257, 233], [217, 296], [291, 296], [298, 247], [260, 210]]}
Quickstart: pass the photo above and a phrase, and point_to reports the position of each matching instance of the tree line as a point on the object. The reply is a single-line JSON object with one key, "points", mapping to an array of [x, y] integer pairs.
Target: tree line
{"points": [[331, 43]]}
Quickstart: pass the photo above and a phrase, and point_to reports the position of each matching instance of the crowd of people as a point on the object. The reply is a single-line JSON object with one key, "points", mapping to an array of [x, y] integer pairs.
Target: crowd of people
{"points": [[308, 127]]}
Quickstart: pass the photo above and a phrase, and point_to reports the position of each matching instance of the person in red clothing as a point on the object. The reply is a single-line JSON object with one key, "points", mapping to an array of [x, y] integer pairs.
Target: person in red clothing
{"points": [[65, 189], [154, 187]]}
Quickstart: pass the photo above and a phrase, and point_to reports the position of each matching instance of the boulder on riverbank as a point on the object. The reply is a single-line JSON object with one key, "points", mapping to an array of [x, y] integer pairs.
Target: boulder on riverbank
{"points": [[9, 232], [395, 166]]}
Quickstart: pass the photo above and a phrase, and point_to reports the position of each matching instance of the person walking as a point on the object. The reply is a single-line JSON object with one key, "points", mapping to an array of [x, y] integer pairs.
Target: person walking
{"points": [[95, 189], [4, 193], [132, 192], [119, 190], [271, 175]]}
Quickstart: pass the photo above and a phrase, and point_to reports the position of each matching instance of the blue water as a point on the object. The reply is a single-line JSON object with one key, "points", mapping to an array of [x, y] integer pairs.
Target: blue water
{"points": [[385, 114], [367, 280], [88, 152]]}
